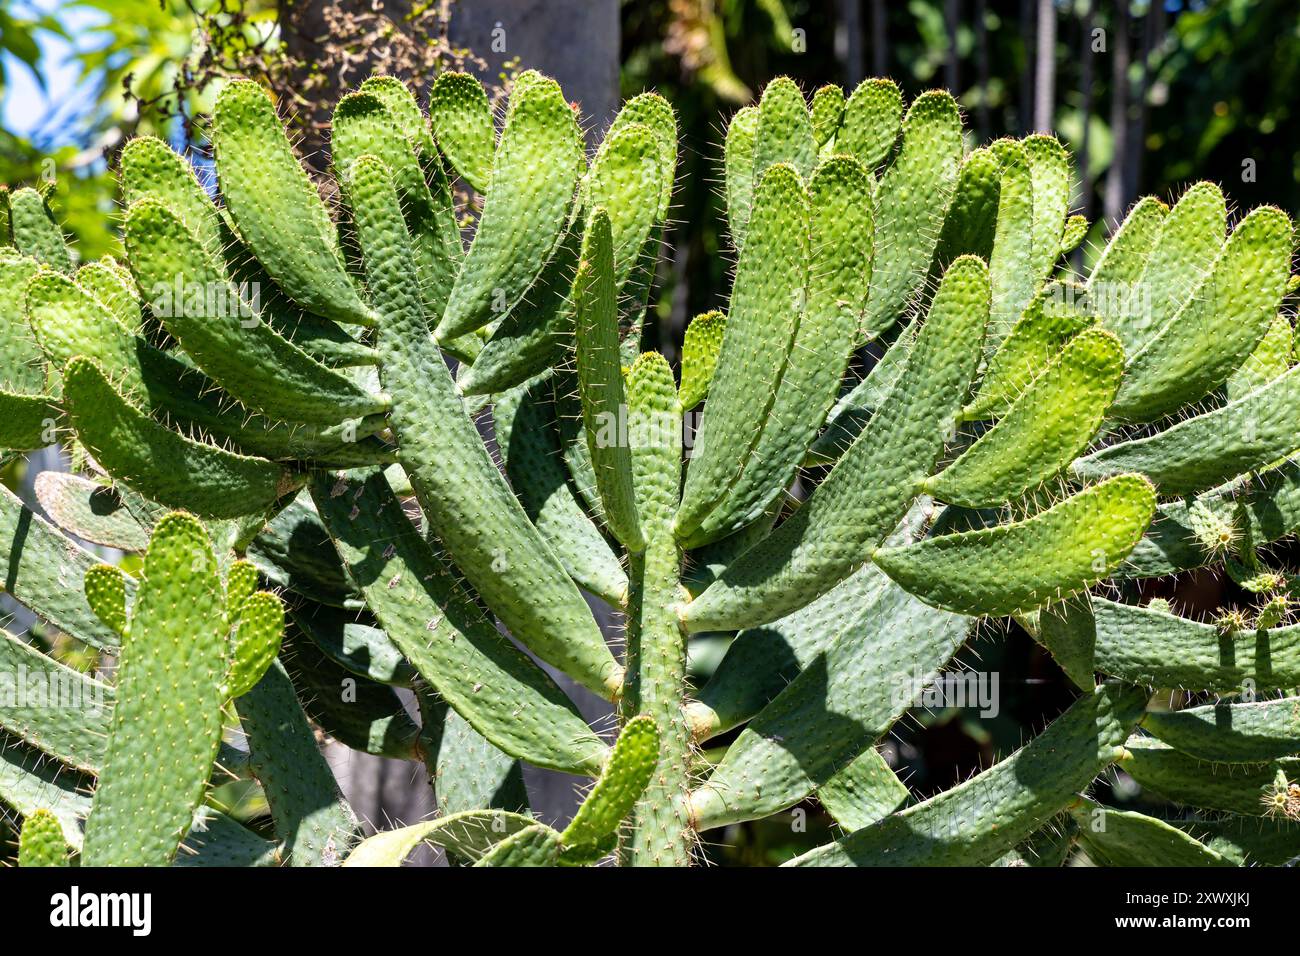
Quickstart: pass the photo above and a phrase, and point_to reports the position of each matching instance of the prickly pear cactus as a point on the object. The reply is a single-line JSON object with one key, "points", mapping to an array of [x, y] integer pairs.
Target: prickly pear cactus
{"points": [[264, 392]]}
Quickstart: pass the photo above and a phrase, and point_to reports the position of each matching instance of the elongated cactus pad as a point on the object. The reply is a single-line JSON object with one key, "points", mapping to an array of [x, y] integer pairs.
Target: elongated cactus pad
{"points": [[167, 720], [1021, 566], [981, 819]]}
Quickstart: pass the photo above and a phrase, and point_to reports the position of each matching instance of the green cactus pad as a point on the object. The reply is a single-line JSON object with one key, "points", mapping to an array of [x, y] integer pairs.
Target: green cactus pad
{"points": [[1260, 510], [626, 774], [20, 357], [169, 468], [1124, 838], [527, 209], [1185, 248], [971, 223], [257, 641], [537, 336], [276, 207], [150, 168], [530, 449], [1248, 841], [31, 781], [763, 660], [363, 124], [1050, 321], [27, 422], [803, 738], [872, 118], [785, 131], [167, 720], [251, 360], [105, 587], [41, 843], [445, 635], [1230, 788], [66, 320], [1011, 268], [700, 356], [1050, 423], [45, 572], [656, 114], [656, 649], [910, 207], [1067, 631], [70, 322], [626, 182], [1021, 566], [359, 648], [871, 487], [827, 112], [1231, 732], [1147, 646], [36, 234], [115, 291], [1076, 230], [91, 510], [70, 722], [863, 793], [537, 845], [1124, 258], [1049, 170], [1217, 326], [468, 835], [241, 582], [1271, 358], [600, 379], [839, 275], [460, 488], [1201, 452], [218, 841], [976, 822], [467, 771], [317, 828], [400, 101], [738, 169], [461, 118], [766, 302]]}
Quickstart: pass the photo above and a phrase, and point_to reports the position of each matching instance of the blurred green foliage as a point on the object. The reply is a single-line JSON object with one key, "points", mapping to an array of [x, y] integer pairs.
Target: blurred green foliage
{"points": [[145, 66]]}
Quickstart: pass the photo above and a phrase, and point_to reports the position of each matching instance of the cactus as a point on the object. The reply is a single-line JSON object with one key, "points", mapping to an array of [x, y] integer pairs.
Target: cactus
{"points": [[259, 402]]}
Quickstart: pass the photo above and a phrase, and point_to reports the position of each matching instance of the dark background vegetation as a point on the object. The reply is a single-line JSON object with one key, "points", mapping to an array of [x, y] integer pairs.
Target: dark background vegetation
{"points": [[1148, 95]]}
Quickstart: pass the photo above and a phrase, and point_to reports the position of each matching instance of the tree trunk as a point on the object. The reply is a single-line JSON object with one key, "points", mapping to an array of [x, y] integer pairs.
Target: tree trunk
{"points": [[879, 39], [1152, 35], [1085, 111], [951, 19], [1028, 34], [848, 40], [1116, 181], [575, 41], [982, 68], [1085, 108], [1045, 67]]}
